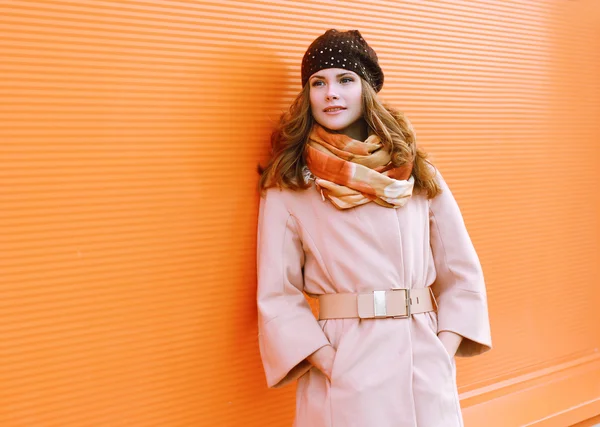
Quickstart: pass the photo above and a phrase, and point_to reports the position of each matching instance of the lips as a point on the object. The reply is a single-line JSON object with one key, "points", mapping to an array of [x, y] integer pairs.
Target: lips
{"points": [[333, 109]]}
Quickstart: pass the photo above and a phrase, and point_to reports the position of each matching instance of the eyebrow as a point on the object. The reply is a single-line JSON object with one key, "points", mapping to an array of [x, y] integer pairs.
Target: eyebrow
{"points": [[338, 76]]}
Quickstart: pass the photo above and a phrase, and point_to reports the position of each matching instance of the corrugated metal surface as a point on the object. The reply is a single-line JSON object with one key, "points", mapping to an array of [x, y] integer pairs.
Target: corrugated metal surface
{"points": [[130, 133]]}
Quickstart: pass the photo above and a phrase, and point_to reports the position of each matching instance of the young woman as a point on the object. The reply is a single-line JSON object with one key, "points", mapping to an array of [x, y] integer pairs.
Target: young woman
{"points": [[353, 214]]}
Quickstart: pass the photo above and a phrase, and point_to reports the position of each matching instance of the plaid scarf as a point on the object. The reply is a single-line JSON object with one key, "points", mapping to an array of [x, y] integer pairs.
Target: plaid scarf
{"points": [[351, 173]]}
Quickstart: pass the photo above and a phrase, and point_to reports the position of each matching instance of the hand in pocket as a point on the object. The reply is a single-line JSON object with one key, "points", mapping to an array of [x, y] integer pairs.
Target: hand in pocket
{"points": [[451, 341], [322, 359]]}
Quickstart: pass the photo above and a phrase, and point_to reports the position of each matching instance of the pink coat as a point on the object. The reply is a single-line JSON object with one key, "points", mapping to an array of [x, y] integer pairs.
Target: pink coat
{"points": [[387, 372]]}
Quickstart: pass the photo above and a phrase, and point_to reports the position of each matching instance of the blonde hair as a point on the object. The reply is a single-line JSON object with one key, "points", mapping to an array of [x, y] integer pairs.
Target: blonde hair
{"points": [[285, 169]]}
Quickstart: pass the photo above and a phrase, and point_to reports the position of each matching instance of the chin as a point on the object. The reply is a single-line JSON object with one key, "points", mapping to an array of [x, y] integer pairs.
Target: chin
{"points": [[334, 128], [333, 125]]}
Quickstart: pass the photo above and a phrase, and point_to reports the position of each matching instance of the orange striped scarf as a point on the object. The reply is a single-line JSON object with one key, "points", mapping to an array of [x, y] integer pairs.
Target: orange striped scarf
{"points": [[351, 173]]}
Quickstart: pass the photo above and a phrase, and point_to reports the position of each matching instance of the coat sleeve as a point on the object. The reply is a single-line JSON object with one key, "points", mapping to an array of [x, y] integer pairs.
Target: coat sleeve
{"points": [[459, 286], [288, 331]]}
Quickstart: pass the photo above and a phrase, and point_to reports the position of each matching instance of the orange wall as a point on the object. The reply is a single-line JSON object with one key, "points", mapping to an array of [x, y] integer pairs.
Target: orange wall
{"points": [[129, 137]]}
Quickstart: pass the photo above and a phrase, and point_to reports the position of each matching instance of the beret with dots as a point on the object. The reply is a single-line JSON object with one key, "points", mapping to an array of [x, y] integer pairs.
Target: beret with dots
{"points": [[342, 49]]}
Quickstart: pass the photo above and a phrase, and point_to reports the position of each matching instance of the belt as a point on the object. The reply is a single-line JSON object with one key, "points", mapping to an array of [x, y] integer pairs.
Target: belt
{"points": [[395, 303]]}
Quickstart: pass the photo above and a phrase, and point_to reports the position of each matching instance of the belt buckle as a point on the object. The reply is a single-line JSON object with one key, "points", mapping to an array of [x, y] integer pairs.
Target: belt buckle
{"points": [[407, 300], [379, 304]]}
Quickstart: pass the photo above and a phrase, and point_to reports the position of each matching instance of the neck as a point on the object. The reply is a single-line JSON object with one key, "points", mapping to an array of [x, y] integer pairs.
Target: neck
{"points": [[357, 130]]}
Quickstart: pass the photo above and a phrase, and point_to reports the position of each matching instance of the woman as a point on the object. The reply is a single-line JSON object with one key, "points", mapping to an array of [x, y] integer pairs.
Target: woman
{"points": [[353, 214]]}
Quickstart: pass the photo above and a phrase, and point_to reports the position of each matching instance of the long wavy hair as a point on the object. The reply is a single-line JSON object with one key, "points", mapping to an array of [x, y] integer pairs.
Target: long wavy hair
{"points": [[286, 166]]}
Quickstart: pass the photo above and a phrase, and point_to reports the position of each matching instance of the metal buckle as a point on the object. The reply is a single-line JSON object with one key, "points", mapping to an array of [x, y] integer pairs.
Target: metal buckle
{"points": [[379, 304], [407, 299]]}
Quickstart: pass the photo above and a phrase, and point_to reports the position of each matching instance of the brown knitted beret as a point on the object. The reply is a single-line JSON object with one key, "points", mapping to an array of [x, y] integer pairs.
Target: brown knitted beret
{"points": [[343, 49]]}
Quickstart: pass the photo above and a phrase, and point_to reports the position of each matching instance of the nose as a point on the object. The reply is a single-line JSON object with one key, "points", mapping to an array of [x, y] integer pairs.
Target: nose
{"points": [[330, 95]]}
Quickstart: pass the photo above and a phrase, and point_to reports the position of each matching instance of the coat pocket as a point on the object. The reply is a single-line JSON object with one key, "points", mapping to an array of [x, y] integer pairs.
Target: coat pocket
{"points": [[433, 324], [334, 365], [334, 331]]}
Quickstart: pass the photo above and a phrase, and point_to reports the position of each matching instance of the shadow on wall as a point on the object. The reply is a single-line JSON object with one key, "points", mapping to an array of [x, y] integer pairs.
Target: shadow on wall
{"points": [[240, 97]]}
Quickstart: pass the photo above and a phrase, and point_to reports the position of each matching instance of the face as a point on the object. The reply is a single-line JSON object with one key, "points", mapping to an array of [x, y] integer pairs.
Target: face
{"points": [[336, 98]]}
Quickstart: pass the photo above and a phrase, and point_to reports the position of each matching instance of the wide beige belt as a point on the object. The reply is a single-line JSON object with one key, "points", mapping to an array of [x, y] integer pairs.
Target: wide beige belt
{"points": [[396, 303]]}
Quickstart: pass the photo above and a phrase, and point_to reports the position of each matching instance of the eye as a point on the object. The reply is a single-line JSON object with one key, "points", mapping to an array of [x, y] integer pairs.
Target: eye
{"points": [[346, 80], [316, 83]]}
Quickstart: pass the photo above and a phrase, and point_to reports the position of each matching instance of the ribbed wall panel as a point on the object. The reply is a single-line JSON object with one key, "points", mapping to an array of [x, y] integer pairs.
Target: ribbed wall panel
{"points": [[129, 138]]}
